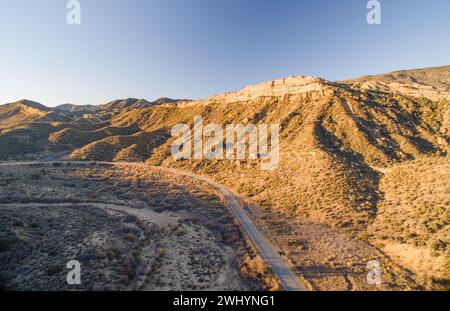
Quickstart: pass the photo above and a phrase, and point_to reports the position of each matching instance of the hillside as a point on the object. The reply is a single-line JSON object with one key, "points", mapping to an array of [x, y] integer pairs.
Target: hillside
{"points": [[358, 157], [430, 83], [437, 77], [20, 112], [132, 148], [412, 223]]}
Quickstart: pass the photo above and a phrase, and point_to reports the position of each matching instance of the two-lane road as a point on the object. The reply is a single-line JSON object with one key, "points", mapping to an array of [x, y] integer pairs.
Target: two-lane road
{"points": [[288, 279]]}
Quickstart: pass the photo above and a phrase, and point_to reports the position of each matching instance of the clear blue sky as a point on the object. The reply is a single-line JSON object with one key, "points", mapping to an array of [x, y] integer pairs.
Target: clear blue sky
{"points": [[197, 48]]}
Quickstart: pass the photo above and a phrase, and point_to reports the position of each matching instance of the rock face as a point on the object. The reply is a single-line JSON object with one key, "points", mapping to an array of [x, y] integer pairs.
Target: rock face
{"points": [[301, 86], [276, 88], [414, 90]]}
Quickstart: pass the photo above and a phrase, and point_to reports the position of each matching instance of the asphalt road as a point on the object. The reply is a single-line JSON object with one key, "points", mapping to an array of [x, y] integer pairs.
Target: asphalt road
{"points": [[289, 281]]}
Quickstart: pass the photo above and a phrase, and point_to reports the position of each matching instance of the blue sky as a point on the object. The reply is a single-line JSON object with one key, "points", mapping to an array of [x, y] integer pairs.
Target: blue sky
{"points": [[197, 48]]}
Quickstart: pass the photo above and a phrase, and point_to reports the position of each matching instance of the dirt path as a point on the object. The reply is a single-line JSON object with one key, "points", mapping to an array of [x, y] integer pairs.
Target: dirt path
{"points": [[143, 214]]}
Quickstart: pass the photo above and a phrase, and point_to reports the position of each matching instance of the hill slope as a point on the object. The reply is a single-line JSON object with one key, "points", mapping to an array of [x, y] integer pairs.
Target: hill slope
{"points": [[437, 77], [430, 83]]}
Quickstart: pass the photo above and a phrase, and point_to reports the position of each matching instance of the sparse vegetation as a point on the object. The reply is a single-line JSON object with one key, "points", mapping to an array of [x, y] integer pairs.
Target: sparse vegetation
{"points": [[77, 213]]}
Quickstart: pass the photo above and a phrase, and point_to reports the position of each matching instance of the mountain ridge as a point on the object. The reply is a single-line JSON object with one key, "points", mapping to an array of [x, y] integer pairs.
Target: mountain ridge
{"points": [[422, 76]]}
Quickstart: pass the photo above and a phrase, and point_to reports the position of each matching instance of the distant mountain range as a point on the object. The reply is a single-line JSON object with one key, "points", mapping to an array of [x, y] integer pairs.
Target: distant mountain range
{"points": [[340, 144]]}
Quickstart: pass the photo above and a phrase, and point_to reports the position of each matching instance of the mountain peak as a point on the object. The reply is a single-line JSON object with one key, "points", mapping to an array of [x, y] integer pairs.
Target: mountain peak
{"points": [[29, 104], [126, 103]]}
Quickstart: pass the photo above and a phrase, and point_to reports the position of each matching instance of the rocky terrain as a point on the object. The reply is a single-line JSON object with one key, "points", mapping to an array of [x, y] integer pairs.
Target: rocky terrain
{"points": [[362, 174]]}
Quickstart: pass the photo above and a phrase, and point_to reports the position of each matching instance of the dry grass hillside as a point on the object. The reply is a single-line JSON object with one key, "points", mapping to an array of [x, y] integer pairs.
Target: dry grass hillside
{"points": [[358, 156], [74, 137], [134, 148], [413, 220]]}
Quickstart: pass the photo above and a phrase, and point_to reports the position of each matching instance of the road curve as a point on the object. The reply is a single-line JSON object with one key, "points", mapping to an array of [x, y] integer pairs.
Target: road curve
{"points": [[289, 281]]}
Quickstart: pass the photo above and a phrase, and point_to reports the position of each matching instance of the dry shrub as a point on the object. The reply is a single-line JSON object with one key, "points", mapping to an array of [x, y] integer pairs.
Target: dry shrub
{"points": [[113, 251], [257, 268], [131, 237]]}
